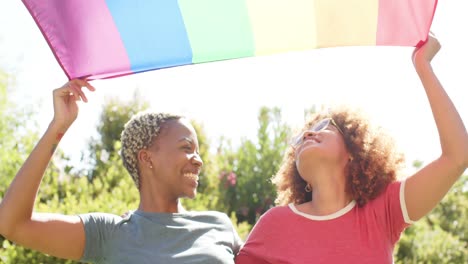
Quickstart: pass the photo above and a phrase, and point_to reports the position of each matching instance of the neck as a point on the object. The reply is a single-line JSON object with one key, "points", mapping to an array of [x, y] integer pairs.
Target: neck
{"points": [[161, 207], [328, 201], [328, 191], [158, 202]]}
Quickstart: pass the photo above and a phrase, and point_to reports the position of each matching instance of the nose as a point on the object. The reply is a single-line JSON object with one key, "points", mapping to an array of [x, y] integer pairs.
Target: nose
{"points": [[197, 160], [308, 134]]}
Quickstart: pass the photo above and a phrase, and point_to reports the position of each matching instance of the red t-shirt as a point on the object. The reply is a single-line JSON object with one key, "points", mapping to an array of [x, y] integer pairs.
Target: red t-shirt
{"points": [[354, 234]]}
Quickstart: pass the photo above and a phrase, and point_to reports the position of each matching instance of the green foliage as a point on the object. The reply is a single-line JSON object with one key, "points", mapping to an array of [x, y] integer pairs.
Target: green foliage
{"points": [[246, 172], [425, 244], [451, 215], [10, 253], [17, 140], [114, 116], [242, 228]]}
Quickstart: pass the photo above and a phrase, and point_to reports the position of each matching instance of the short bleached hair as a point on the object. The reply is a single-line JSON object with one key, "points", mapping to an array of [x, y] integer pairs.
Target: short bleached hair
{"points": [[139, 133]]}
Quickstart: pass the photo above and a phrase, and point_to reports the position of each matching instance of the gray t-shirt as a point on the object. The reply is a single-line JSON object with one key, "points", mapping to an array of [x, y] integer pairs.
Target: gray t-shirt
{"points": [[141, 237]]}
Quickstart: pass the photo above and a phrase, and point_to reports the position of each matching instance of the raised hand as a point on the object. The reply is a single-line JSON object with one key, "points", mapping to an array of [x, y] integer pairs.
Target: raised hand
{"points": [[65, 102], [426, 52]]}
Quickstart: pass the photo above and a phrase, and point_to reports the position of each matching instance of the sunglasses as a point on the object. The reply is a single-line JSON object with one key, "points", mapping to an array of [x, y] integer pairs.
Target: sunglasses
{"points": [[321, 125]]}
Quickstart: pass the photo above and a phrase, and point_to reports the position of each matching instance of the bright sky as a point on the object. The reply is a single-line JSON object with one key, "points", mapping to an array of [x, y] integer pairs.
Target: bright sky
{"points": [[226, 96]]}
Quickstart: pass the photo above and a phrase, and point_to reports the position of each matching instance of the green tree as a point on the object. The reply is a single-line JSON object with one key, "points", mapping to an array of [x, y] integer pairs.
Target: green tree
{"points": [[17, 138], [246, 172], [114, 116]]}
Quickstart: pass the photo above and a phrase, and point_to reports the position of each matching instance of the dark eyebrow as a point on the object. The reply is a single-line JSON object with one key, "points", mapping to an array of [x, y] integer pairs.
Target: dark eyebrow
{"points": [[191, 142]]}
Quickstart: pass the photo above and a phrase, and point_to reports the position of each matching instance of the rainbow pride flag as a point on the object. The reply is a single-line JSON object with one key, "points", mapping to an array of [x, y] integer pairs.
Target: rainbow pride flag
{"points": [[108, 38]]}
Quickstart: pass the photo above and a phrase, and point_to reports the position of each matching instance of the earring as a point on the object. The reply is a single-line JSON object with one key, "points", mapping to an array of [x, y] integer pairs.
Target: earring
{"points": [[308, 188], [151, 166]]}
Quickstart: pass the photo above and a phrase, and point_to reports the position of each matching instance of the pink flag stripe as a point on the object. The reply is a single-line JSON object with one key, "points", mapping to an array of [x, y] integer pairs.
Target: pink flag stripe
{"points": [[62, 23], [404, 22]]}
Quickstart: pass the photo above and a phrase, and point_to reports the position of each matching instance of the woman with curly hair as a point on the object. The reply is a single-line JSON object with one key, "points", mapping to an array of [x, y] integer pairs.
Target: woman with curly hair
{"points": [[339, 197], [161, 153]]}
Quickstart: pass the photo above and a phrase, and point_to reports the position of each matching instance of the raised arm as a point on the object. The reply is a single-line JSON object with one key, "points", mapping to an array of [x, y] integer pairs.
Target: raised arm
{"points": [[425, 189], [54, 234]]}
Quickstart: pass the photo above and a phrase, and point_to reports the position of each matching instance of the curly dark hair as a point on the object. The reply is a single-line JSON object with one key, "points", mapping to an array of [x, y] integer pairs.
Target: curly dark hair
{"points": [[375, 160]]}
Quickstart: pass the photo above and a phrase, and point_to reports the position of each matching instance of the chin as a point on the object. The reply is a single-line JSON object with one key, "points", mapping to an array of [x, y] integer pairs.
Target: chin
{"points": [[309, 149], [191, 195], [309, 155]]}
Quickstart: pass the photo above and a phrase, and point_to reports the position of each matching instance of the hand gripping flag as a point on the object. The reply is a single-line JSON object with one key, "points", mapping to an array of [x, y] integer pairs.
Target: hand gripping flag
{"points": [[108, 38]]}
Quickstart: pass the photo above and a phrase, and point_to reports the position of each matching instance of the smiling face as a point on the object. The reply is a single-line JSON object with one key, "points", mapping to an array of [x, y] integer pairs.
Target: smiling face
{"points": [[320, 146], [175, 160]]}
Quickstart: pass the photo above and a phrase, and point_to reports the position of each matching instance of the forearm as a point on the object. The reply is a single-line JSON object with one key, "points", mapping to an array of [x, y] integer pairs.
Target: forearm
{"points": [[18, 203], [452, 133]]}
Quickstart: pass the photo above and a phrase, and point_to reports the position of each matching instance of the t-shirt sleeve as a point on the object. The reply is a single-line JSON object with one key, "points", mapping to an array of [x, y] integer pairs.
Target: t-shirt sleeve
{"points": [[99, 228], [236, 240], [237, 244], [391, 209]]}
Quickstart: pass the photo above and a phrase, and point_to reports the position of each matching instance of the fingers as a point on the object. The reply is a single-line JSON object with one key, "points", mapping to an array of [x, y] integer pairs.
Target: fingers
{"points": [[433, 39], [433, 46], [428, 50], [74, 89], [84, 83]]}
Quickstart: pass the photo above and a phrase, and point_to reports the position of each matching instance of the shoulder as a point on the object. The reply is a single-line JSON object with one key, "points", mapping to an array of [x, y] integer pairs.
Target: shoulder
{"points": [[272, 214], [101, 219], [270, 223], [391, 191], [99, 229], [394, 186], [277, 211], [391, 202]]}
